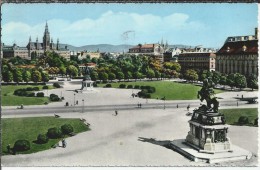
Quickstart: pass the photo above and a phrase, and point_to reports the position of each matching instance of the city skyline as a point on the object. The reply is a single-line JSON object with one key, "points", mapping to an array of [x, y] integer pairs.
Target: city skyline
{"points": [[200, 24]]}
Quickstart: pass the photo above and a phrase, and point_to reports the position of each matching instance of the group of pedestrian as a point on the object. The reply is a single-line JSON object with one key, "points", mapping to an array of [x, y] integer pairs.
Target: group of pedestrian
{"points": [[139, 105]]}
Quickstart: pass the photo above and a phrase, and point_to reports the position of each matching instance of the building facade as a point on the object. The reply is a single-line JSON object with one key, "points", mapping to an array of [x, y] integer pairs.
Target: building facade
{"points": [[197, 61], [156, 50], [35, 49], [14, 50], [239, 55]]}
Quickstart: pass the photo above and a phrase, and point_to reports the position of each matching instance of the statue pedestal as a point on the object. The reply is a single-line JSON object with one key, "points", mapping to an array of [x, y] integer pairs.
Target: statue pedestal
{"points": [[87, 85], [207, 140]]}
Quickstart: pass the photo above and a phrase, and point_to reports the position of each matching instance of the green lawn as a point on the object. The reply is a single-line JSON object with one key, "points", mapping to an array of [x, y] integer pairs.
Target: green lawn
{"points": [[29, 128], [171, 90], [8, 99], [232, 115]]}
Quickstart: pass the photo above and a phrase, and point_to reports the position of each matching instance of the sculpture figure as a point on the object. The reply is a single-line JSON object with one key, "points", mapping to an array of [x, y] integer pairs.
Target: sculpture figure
{"points": [[207, 93]]}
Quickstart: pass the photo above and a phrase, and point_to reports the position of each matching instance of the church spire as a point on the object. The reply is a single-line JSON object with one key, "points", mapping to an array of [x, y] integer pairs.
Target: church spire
{"points": [[46, 28]]}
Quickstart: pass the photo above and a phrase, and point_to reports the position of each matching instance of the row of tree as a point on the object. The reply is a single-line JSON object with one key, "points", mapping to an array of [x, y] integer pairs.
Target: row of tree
{"points": [[233, 80]]}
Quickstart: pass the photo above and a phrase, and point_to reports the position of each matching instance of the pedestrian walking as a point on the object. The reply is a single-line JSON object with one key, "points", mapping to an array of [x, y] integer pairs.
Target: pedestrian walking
{"points": [[64, 144], [237, 103], [242, 96], [177, 106], [140, 105], [116, 112], [188, 107]]}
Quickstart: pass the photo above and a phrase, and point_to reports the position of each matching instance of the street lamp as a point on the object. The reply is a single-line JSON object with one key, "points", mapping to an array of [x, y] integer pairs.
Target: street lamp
{"points": [[82, 105], [74, 99], [164, 102]]}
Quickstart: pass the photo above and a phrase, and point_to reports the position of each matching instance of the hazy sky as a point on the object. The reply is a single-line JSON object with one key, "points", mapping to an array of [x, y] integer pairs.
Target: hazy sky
{"points": [[82, 24]]}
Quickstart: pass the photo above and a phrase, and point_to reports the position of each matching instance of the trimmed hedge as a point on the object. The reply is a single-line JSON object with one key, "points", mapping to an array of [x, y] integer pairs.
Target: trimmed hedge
{"points": [[30, 95], [54, 133], [42, 138], [54, 97], [108, 85], [122, 86], [45, 87], [24, 92], [130, 86], [40, 94], [136, 87], [243, 120], [22, 145], [67, 129], [56, 85], [256, 122]]}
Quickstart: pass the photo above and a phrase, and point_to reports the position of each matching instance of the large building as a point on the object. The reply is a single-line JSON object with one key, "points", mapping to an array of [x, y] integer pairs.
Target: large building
{"points": [[239, 54], [156, 50], [197, 61], [35, 49]]}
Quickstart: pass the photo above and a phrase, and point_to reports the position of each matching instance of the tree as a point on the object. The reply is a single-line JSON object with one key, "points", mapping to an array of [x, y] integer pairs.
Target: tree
{"points": [[157, 74], [94, 75], [120, 76], [111, 76], [7, 76], [231, 80], [137, 75], [150, 74], [103, 76], [36, 76], [62, 70], [252, 82], [45, 76], [17, 76], [72, 71], [223, 80], [216, 77], [191, 75], [240, 81], [128, 75], [26, 76], [172, 66]]}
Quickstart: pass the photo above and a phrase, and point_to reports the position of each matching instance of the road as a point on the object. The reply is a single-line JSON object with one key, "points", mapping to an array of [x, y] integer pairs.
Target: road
{"points": [[94, 108]]}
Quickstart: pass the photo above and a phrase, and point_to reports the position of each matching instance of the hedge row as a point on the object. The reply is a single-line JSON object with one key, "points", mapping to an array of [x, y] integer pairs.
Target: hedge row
{"points": [[26, 92], [54, 97], [243, 120]]}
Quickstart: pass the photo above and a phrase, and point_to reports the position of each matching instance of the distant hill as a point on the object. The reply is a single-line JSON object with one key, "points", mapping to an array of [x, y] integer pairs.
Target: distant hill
{"points": [[101, 47], [111, 48]]}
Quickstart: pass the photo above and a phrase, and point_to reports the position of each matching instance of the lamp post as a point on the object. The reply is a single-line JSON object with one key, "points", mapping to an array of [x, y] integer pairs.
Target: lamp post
{"points": [[82, 105], [164, 102], [74, 99]]}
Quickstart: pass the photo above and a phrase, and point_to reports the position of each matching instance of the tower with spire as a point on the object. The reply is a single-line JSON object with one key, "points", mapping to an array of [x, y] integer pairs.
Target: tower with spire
{"points": [[46, 38]]}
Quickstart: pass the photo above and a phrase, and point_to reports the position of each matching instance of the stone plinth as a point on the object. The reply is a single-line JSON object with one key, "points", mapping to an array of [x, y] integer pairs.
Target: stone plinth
{"points": [[87, 85], [190, 152]]}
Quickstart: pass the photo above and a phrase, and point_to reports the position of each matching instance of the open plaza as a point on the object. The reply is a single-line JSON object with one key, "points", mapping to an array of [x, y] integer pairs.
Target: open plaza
{"points": [[134, 137]]}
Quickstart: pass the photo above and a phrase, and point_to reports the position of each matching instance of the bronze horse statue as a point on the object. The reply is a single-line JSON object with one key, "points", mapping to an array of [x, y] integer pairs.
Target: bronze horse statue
{"points": [[206, 93]]}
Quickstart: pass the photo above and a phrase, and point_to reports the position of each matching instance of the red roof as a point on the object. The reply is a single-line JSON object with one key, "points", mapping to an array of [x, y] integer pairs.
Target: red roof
{"points": [[238, 47], [143, 46]]}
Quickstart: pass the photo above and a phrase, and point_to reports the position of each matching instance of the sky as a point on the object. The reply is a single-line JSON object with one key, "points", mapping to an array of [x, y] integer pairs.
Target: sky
{"points": [[88, 24]]}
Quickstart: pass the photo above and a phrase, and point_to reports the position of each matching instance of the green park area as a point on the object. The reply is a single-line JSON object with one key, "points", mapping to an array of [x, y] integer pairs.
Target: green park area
{"points": [[25, 129], [167, 89], [249, 115], [9, 99]]}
